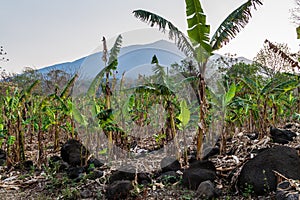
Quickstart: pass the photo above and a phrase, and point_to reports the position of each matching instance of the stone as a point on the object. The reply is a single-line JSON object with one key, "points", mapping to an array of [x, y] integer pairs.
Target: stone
{"points": [[2, 154], [93, 175], [169, 164], [86, 194], [282, 136], [119, 189], [75, 172], [211, 152], [285, 195], [143, 178], [128, 172], [198, 172], [2, 162], [252, 136], [258, 172], [28, 165], [125, 172], [74, 153], [95, 162], [286, 192], [206, 190], [56, 162]]}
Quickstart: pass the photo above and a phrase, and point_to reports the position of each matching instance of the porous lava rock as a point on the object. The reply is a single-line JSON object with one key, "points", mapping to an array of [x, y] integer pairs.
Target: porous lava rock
{"points": [[258, 173], [74, 153]]}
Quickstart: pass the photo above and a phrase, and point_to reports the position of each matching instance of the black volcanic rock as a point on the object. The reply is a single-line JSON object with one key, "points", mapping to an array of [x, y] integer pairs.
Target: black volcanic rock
{"points": [[119, 189], [93, 175], [198, 172], [75, 172], [2, 157], [125, 172], [56, 162], [281, 136], [285, 191], [258, 172], [169, 164], [74, 153], [95, 162], [207, 190], [252, 136]]}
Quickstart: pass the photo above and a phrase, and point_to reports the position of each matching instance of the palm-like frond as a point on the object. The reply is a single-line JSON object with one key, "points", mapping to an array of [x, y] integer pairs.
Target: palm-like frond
{"points": [[112, 65], [27, 91], [282, 54], [251, 84], [114, 52], [67, 89], [198, 30], [175, 34], [232, 25], [92, 90]]}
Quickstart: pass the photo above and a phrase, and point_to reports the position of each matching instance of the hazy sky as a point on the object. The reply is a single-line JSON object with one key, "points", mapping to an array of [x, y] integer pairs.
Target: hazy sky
{"points": [[39, 33]]}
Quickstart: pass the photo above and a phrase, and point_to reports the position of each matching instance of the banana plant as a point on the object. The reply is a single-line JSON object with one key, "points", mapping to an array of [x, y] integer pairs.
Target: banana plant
{"points": [[220, 105], [110, 64], [198, 45], [263, 98], [62, 112], [10, 106], [14, 116], [184, 118]]}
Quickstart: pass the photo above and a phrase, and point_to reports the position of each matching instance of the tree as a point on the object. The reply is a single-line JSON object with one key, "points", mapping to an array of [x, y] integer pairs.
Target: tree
{"points": [[275, 58], [199, 46], [296, 17], [26, 78], [55, 79], [3, 55]]}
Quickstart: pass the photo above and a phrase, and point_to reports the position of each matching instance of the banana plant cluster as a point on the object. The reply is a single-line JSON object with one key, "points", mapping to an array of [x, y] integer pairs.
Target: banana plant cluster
{"points": [[199, 46], [260, 101], [28, 117]]}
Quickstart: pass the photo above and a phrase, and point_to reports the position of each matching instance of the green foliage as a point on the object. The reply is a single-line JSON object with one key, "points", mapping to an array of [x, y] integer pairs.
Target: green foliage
{"points": [[70, 193], [198, 45], [229, 94], [184, 116], [248, 191], [112, 65], [233, 24], [260, 100], [114, 52], [198, 30], [174, 33]]}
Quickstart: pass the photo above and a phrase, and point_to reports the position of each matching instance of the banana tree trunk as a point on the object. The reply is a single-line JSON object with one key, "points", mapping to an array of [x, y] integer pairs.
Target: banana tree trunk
{"points": [[298, 100], [170, 110], [202, 116], [108, 106], [56, 133], [21, 141], [40, 142]]}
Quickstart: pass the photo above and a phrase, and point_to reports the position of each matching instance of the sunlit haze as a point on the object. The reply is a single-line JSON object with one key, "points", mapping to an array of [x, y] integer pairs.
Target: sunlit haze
{"points": [[38, 33]]}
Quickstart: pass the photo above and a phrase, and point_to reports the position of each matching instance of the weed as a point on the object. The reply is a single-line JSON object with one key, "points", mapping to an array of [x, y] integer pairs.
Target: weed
{"points": [[187, 195], [70, 193], [248, 191], [138, 188]]}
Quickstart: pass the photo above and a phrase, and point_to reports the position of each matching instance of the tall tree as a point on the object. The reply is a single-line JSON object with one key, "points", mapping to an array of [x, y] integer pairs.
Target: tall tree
{"points": [[296, 17], [198, 44], [3, 55], [275, 58]]}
